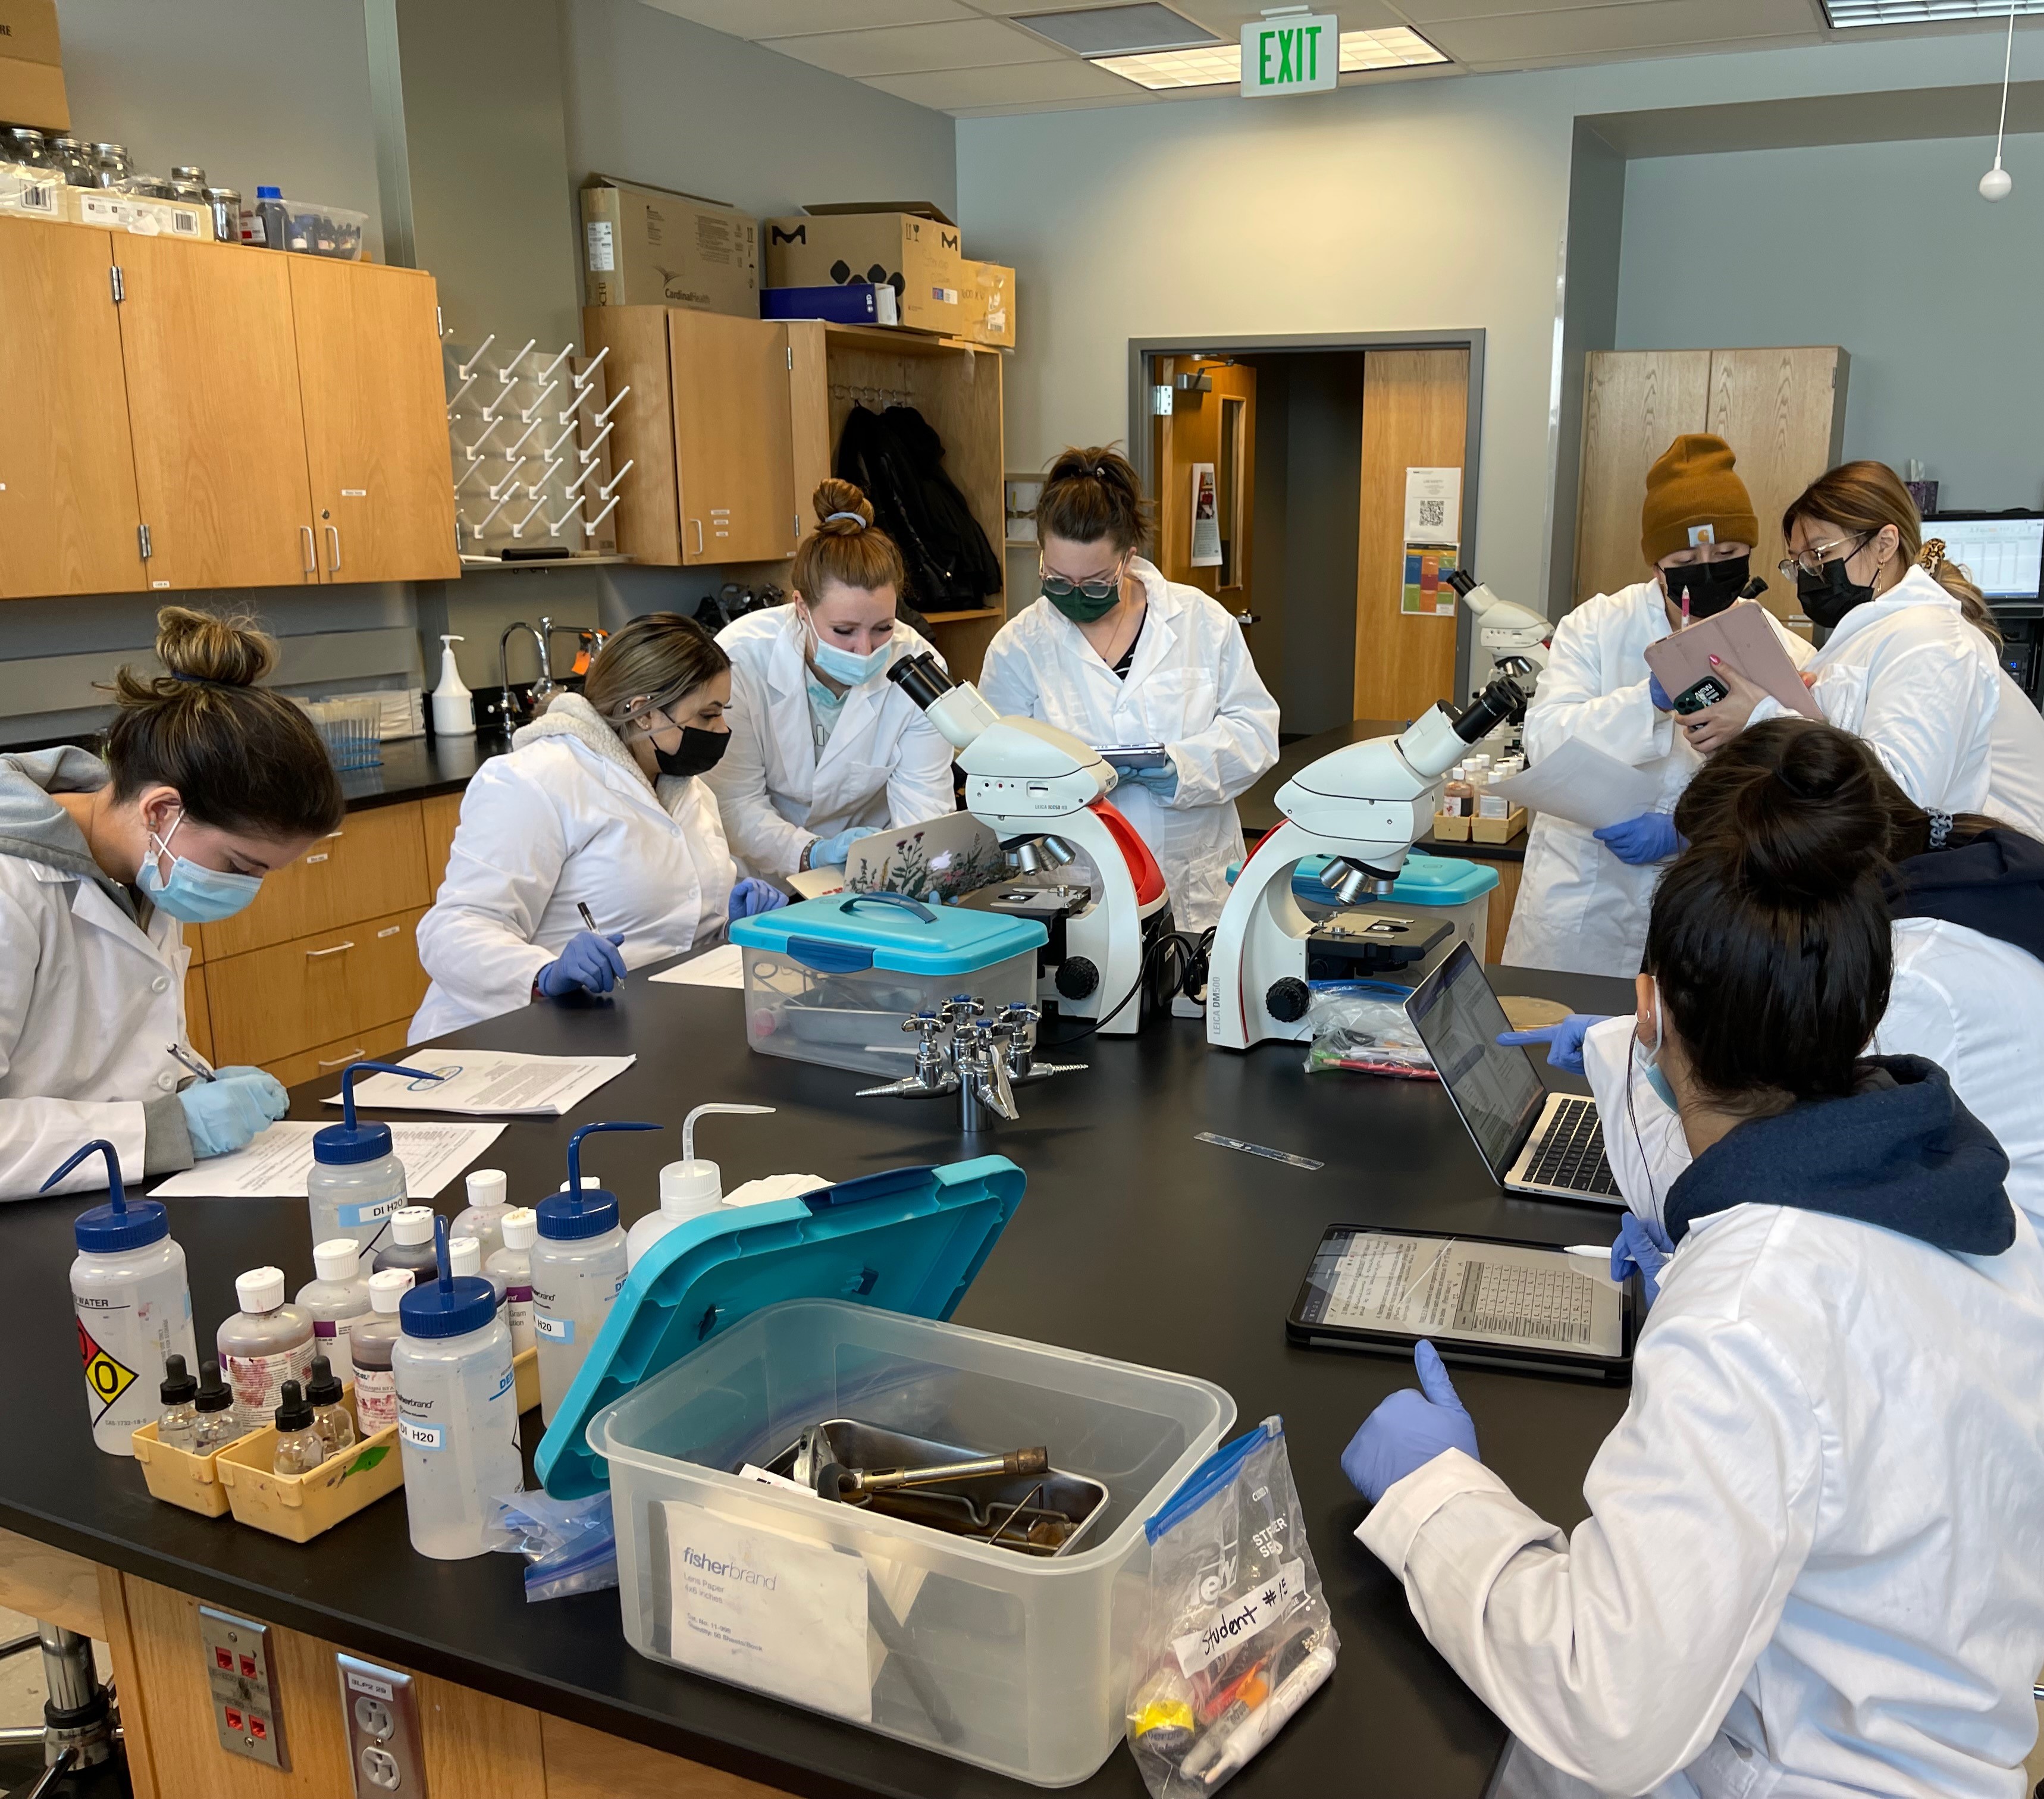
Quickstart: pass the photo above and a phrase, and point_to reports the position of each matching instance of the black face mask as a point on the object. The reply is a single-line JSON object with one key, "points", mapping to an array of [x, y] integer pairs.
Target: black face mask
{"points": [[1828, 596], [700, 752], [1710, 586]]}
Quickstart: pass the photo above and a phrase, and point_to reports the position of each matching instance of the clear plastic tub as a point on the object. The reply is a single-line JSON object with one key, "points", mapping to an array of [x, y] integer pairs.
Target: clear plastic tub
{"points": [[313, 229], [1011, 1662]]}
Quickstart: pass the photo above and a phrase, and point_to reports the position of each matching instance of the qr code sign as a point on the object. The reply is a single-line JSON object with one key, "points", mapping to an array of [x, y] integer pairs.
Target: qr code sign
{"points": [[1433, 514]]}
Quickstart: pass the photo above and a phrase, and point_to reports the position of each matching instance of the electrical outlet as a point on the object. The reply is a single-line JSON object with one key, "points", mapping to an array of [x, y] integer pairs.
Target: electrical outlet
{"points": [[385, 1749], [241, 1680]]}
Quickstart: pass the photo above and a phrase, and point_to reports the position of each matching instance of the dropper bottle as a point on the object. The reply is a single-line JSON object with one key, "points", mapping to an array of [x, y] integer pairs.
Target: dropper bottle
{"points": [[688, 1188]]}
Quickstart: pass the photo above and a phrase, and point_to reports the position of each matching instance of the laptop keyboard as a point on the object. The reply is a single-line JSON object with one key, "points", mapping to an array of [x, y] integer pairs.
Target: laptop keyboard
{"points": [[1570, 1153]]}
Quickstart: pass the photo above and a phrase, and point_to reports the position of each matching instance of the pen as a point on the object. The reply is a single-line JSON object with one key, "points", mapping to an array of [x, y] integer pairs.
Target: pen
{"points": [[1272, 1716], [588, 920], [191, 1061]]}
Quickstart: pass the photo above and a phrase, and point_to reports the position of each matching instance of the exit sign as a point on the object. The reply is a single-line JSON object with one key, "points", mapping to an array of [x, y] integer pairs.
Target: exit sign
{"points": [[1290, 53]]}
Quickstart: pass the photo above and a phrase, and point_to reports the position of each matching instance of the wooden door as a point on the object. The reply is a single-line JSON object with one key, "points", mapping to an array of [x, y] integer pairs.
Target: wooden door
{"points": [[212, 362], [375, 413], [1783, 411], [1215, 432], [68, 511], [1635, 404], [733, 438], [1414, 415]]}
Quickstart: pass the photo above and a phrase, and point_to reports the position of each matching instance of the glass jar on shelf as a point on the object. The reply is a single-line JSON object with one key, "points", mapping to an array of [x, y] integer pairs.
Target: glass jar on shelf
{"points": [[74, 160], [111, 165], [25, 147]]}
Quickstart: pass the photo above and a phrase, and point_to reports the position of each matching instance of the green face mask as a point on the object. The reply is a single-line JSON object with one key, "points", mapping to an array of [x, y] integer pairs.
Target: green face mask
{"points": [[1080, 607]]}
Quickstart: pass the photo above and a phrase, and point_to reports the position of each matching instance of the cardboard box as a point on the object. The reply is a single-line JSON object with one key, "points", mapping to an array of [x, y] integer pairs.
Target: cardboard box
{"points": [[138, 213], [990, 304], [31, 83], [36, 193], [911, 247], [651, 247]]}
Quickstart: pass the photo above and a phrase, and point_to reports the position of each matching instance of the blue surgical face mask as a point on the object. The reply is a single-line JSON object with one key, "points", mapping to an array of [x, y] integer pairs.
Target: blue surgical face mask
{"points": [[841, 665], [195, 895], [1649, 1062]]}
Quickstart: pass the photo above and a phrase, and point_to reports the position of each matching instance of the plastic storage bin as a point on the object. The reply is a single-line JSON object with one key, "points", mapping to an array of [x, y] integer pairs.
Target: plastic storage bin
{"points": [[831, 980], [333, 232], [1429, 889]]}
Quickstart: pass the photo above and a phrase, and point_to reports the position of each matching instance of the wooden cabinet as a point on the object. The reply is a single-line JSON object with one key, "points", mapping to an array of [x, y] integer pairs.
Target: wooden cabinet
{"points": [[734, 452], [67, 511], [439, 816], [375, 423], [270, 1003], [374, 863]]}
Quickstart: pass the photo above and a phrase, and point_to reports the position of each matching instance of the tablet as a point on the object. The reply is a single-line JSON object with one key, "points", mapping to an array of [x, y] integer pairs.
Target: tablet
{"points": [[1742, 637], [1138, 757], [1481, 1300]]}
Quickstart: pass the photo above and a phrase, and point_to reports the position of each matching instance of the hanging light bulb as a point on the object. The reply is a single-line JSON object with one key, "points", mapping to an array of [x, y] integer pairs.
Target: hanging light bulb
{"points": [[1996, 183]]}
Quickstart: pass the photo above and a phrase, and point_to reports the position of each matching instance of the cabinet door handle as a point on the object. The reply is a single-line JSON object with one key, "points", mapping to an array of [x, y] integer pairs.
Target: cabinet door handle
{"points": [[698, 524], [314, 955], [333, 543], [312, 553], [354, 1055]]}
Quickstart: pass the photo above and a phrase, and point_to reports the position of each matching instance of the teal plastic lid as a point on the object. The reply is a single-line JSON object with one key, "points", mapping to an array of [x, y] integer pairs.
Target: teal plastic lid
{"points": [[844, 934], [910, 1240]]}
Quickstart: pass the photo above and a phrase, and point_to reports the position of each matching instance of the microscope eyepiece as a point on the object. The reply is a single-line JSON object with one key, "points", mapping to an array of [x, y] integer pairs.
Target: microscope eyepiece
{"points": [[921, 679]]}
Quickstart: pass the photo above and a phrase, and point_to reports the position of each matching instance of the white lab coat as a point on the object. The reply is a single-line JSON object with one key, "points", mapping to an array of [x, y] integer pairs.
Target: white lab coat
{"points": [[567, 815], [1580, 907], [885, 767], [89, 1001], [1967, 1001], [1814, 1563], [1193, 687], [1908, 673]]}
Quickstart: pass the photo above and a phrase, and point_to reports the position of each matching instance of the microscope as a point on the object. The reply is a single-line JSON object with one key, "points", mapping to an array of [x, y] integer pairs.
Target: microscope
{"points": [[1044, 793], [1514, 637], [1363, 807]]}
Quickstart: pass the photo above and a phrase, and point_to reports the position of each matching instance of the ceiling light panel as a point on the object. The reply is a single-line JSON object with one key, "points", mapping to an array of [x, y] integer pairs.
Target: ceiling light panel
{"points": [[1846, 12], [1220, 65], [1119, 31]]}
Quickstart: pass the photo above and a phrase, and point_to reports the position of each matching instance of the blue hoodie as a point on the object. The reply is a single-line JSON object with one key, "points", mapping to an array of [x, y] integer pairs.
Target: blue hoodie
{"points": [[1901, 1152]]}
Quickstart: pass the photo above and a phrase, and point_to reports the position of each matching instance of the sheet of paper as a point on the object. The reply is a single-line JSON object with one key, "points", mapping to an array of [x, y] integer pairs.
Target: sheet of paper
{"points": [[1434, 505], [1579, 783], [276, 1162], [494, 1082], [724, 966]]}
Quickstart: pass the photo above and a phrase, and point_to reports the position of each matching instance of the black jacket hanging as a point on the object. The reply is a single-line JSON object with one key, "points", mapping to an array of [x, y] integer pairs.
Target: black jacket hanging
{"points": [[896, 458]]}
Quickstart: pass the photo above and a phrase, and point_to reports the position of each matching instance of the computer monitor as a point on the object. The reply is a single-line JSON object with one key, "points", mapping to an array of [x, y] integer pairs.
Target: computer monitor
{"points": [[2004, 555]]}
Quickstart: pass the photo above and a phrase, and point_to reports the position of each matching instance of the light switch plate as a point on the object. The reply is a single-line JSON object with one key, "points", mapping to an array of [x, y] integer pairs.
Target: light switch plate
{"points": [[241, 1680], [384, 1747]]}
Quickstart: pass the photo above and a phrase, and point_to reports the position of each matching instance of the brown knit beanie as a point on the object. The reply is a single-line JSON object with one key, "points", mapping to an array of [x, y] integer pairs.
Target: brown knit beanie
{"points": [[1694, 497]]}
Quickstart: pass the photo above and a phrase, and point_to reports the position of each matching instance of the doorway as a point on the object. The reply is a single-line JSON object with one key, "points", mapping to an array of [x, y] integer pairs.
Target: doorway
{"points": [[1298, 449]]}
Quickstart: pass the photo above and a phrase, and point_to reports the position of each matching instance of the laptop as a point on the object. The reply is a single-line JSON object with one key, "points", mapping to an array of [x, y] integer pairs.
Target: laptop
{"points": [[1534, 1141]]}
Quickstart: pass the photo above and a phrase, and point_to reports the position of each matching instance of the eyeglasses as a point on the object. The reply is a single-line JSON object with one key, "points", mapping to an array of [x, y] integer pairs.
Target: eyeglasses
{"points": [[1812, 561], [1058, 588]]}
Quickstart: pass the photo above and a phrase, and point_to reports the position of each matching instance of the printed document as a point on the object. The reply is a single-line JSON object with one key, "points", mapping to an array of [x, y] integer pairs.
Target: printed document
{"points": [[274, 1163], [724, 966], [493, 1082], [1579, 783]]}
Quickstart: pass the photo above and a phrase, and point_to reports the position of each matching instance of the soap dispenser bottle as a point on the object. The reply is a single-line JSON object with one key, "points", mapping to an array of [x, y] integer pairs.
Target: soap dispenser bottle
{"points": [[454, 705]]}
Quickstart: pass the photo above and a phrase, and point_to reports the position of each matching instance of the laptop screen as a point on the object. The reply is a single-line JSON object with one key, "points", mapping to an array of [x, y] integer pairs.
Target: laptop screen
{"points": [[1493, 1086]]}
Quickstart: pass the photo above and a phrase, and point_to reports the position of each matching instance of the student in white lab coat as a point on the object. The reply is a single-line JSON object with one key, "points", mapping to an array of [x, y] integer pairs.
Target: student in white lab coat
{"points": [[825, 749], [1967, 899], [210, 783], [1813, 1559], [1117, 654], [1911, 663], [1582, 900], [598, 805]]}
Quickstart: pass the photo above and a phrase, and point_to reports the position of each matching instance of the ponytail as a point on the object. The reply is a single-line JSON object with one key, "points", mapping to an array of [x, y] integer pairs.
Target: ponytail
{"points": [[1092, 494]]}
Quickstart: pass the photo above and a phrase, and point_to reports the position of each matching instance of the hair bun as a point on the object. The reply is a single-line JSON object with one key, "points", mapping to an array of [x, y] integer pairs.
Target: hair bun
{"points": [[842, 509], [197, 646], [1813, 825]]}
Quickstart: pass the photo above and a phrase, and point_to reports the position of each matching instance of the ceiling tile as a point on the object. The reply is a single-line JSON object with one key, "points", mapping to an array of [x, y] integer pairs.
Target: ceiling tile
{"points": [[913, 49], [1581, 32], [1228, 20], [786, 18], [1029, 84]]}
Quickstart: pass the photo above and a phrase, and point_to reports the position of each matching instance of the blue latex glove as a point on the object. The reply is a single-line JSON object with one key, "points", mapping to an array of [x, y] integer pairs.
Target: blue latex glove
{"points": [[830, 852], [1658, 694], [1162, 782], [750, 898], [587, 961], [1650, 837], [1644, 1245], [1564, 1041], [222, 1115], [1409, 1429]]}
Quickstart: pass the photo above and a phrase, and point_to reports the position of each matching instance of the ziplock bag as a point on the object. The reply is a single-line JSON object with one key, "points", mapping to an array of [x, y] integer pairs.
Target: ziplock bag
{"points": [[1361, 1027], [1236, 1635], [570, 1546]]}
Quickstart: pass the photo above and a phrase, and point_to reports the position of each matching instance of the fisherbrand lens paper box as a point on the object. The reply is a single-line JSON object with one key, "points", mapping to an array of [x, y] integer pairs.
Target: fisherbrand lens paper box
{"points": [[911, 247], [990, 304], [31, 83], [650, 246]]}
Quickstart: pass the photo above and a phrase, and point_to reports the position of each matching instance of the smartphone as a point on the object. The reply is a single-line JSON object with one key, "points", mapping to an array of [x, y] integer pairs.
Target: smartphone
{"points": [[1706, 692]]}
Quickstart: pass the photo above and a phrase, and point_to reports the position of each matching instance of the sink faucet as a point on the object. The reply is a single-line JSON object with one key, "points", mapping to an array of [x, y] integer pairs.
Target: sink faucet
{"points": [[542, 689], [960, 1050]]}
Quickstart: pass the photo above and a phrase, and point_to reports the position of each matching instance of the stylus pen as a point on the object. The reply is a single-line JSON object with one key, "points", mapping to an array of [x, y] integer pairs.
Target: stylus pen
{"points": [[1600, 1251]]}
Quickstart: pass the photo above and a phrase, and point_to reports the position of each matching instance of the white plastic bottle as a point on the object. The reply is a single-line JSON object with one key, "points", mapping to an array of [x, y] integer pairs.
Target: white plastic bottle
{"points": [[336, 1302], [356, 1182], [688, 1188], [454, 705], [371, 1345], [465, 1257], [457, 1413], [410, 1246], [513, 1264], [134, 1306], [264, 1345], [483, 1218], [578, 1268]]}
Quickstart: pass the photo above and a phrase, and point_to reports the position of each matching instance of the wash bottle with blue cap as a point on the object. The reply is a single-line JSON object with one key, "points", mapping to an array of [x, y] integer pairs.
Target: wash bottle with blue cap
{"points": [[132, 1303], [579, 1267], [457, 1412], [356, 1180]]}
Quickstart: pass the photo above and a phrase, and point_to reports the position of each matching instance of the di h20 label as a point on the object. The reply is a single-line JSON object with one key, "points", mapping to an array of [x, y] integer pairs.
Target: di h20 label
{"points": [[421, 1434], [553, 1329]]}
